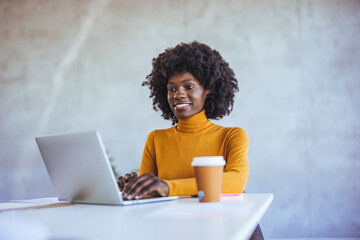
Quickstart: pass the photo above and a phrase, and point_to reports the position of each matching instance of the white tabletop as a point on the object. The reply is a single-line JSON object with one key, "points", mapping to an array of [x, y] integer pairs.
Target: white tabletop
{"points": [[232, 218]]}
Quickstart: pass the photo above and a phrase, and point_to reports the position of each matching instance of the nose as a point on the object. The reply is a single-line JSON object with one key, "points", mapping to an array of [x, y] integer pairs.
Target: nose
{"points": [[179, 94]]}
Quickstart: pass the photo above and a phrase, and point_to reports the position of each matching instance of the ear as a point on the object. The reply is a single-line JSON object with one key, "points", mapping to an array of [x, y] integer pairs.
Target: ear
{"points": [[206, 93]]}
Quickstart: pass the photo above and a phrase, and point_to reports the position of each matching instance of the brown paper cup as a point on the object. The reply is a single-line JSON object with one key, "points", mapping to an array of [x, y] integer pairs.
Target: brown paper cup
{"points": [[208, 173]]}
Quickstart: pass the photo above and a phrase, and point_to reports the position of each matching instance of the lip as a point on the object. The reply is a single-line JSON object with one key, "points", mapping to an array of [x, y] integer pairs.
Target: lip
{"points": [[181, 106]]}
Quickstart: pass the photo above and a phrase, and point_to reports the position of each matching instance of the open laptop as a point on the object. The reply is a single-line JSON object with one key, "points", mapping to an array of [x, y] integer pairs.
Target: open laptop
{"points": [[80, 170]]}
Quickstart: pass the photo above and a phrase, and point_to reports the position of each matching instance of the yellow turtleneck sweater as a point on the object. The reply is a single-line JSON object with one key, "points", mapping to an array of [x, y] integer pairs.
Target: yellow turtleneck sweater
{"points": [[168, 154]]}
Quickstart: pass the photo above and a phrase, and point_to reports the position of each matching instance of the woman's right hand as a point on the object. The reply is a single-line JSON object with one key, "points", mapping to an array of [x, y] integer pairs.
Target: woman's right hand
{"points": [[124, 180]]}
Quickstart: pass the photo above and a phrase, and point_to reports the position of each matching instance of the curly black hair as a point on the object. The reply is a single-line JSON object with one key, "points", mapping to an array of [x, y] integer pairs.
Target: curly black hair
{"points": [[206, 65]]}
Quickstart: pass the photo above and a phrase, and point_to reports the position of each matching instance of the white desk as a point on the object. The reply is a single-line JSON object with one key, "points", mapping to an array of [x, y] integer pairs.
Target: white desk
{"points": [[232, 218]]}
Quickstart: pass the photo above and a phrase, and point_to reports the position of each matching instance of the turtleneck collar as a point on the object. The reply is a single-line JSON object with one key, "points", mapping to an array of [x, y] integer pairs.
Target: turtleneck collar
{"points": [[193, 124]]}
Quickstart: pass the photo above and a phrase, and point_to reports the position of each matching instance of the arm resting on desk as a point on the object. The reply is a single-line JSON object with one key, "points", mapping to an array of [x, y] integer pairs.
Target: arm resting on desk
{"points": [[231, 184]]}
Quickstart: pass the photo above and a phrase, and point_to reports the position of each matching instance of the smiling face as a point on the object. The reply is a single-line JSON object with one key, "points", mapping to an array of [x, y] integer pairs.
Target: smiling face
{"points": [[186, 96]]}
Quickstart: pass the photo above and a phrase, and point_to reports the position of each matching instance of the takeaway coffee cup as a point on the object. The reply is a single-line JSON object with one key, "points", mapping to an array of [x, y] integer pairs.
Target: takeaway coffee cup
{"points": [[208, 173]]}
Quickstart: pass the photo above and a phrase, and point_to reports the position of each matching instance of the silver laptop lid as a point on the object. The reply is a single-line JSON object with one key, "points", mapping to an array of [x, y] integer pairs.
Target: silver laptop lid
{"points": [[79, 168]]}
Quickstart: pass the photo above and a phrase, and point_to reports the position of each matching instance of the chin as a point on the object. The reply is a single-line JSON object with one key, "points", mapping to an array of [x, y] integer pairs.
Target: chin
{"points": [[181, 116], [184, 115]]}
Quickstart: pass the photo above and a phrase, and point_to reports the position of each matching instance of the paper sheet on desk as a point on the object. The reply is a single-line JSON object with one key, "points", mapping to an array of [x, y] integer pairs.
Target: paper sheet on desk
{"points": [[29, 203], [196, 209]]}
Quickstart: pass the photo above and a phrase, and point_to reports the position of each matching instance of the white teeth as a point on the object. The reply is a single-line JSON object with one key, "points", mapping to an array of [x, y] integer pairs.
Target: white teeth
{"points": [[182, 105]]}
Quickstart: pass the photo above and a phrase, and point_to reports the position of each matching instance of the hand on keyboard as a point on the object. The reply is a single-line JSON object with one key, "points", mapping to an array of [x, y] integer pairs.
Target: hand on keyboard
{"points": [[146, 184], [124, 180]]}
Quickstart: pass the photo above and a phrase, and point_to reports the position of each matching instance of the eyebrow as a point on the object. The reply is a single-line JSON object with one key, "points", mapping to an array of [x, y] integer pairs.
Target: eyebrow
{"points": [[182, 81]]}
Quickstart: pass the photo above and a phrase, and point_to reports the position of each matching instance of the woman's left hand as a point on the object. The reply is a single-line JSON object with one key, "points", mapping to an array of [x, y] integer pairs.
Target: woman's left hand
{"points": [[147, 184]]}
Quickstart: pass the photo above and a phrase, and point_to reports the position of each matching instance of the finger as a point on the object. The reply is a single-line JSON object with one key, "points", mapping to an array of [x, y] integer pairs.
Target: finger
{"points": [[133, 175], [133, 184], [145, 188], [136, 185], [121, 183], [149, 188], [158, 189], [130, 176], [121, 178], [129, 186], [127, 177]]}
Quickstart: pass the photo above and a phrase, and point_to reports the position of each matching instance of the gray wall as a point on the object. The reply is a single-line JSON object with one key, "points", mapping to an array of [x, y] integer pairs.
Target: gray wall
{"points": [[78, 65]]}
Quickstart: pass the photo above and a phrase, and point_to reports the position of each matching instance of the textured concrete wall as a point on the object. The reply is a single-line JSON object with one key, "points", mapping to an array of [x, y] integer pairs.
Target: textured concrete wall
{"points": [[78, 65]]}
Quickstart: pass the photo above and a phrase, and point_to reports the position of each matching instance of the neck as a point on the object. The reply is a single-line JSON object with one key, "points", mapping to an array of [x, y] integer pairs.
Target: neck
{"points": [[193, 124]]}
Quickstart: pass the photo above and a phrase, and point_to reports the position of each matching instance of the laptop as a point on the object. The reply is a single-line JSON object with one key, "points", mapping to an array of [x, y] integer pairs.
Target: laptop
{"points": [[80, 170]]}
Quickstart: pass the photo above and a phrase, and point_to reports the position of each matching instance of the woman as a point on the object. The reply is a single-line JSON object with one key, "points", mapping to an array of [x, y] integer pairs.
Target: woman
{"points": [[190, 84]]}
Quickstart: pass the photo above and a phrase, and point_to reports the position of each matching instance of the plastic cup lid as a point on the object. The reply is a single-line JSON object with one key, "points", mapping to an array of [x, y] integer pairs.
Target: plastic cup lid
{"points": [[208, 161]]}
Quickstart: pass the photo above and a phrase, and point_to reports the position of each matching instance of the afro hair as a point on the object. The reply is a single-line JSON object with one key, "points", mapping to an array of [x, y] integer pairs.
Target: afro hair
{"points": [[206, 65]]}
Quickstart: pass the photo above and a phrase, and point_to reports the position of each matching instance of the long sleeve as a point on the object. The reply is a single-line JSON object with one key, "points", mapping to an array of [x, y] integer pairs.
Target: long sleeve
{"points": [[148, 162], [168, 154], [180, 187], [236, 171]]}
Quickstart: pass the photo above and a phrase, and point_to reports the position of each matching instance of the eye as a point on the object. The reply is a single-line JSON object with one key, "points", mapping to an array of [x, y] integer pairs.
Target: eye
{"points": [[189, 87], [171, 89]]}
